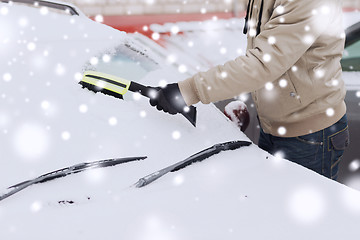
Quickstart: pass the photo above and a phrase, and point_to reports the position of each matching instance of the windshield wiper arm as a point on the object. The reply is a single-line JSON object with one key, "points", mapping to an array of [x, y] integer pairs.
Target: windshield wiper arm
{"points": [[197, 157], [67, 171]]}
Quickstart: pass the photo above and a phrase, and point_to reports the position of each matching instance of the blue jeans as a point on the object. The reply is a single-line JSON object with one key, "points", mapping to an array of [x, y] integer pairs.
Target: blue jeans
{"points": [[320, 151]]}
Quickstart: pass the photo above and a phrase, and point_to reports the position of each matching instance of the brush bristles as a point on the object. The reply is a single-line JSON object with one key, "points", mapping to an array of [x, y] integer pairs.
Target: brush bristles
{"points": [[97, 89]]}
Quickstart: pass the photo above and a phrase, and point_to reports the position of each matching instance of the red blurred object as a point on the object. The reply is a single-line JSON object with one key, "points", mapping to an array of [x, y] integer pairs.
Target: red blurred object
{"points": [[237, 112], [141, 23]]}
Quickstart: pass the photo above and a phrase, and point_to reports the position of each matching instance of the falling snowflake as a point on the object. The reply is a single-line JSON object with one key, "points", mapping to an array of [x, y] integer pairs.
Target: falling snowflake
{"points": [[182, 68], [280, 9], [99, 18], [83, 108], [31, 141], [223, 74], [163, 83], [330, 112], [155, 36], [175, 29], [36, 206], [267, 57], [94, 61], [106, 58], [65, 135], [271, 40], [4, 11], [113, 121], [358, 94], [354, 165], [178, 180], [23, 22], [31, 46], [306, 205], [171, 58], [283, 83], [44, 10], [176, 135], [269, 86], [60, 69], [45, 105], [7, 77], [143, 114], [281, 131], [223, 50]]}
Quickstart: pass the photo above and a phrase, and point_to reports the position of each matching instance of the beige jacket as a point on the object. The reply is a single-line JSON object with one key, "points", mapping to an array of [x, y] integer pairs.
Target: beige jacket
{"points": [[292, 67]]}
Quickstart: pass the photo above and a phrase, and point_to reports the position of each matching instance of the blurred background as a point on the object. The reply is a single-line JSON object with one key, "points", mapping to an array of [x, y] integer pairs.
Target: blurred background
{"points": [[133, 15]]}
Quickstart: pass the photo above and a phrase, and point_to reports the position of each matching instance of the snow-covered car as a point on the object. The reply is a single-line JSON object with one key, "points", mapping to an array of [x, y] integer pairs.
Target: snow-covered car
{"points": [[48, 122]]}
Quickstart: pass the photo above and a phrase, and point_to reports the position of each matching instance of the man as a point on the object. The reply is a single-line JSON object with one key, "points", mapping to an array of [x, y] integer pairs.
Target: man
{"points": [[292, 68]]}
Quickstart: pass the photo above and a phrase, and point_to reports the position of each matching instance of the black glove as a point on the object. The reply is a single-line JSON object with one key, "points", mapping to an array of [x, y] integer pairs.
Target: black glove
{"points": [[169, 99]]}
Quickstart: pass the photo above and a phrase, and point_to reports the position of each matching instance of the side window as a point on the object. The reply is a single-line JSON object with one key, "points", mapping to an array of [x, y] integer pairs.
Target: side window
{"points": [[351, 58]]}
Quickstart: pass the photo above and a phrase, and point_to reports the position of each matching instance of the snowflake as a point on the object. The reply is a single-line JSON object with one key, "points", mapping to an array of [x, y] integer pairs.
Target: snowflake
{"points": [[269, 86], [155, 36], [178, 180], [31, 141], [354, 165], [106, 58], [113, 121], [175, 29], [283, 83], [271, 40], [99, 18], [267, 57], [7, 77], [176, 135], [36, 206], [31, 46], [358, 94], [223, 50], [306, 205], [281, 131], [44, 10], [83, 108], [4, 11], [182, 68], [60, 69], [330, 112], [143, 114], [45, 105], [65, 135]]}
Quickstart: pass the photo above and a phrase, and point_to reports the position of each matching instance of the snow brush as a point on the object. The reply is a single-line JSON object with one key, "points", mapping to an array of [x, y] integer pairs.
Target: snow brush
{"points": [[116, 86]]}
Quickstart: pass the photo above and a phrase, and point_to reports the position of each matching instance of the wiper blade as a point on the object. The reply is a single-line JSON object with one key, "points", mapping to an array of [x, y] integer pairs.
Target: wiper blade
{"points": [[197, 157], [68, 171]]}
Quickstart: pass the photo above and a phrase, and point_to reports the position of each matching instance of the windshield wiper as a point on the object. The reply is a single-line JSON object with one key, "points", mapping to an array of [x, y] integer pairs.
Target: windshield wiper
{"points": [[197, 157], [67, 171], [38, 3]]}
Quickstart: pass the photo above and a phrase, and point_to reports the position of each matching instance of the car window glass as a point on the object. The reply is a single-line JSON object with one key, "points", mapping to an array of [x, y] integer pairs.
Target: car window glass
{"points": [[124, 62], [351, 57]]}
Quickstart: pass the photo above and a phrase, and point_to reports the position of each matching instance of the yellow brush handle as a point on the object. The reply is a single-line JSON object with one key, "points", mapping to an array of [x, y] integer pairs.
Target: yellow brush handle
{"points": [[106, 81]]}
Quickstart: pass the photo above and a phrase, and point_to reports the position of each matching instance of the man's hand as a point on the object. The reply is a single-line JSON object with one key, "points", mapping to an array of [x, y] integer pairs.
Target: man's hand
{"points": [[170, 100]]}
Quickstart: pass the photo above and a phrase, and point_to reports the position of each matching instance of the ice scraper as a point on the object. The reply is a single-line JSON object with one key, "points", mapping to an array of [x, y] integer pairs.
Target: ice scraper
{"points": [[116, 86]]}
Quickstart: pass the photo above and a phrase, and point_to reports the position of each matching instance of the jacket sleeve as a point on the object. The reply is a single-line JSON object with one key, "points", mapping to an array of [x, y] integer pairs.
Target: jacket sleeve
{"points": [[292, 29]]}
